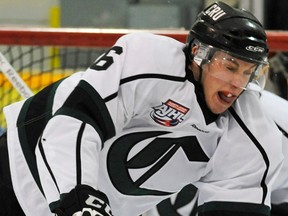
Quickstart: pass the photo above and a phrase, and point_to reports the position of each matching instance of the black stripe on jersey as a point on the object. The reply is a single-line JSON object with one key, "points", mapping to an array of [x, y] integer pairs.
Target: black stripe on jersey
{"points": [[259, 147], [285, 133], [31, 121], [82, 117], [86, 102], [46, 163], [145, 76], [78, 153], [233, 208], [110, 97], [155, 76], [56, 204]]}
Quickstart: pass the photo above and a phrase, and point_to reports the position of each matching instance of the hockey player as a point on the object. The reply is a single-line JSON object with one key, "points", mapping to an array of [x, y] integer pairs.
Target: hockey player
{"points": [[150, 116]]}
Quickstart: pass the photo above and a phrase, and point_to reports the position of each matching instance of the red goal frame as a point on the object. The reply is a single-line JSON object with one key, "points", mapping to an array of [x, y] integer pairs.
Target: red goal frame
{"points": [[88, 37]]}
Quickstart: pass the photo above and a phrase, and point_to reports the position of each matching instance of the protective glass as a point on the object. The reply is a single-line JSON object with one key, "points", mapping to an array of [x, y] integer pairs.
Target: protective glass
{"points": [[239, 71]]}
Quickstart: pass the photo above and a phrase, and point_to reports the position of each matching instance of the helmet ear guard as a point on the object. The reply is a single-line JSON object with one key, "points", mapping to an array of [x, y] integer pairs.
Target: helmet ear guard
{"points": [[204, 53]]}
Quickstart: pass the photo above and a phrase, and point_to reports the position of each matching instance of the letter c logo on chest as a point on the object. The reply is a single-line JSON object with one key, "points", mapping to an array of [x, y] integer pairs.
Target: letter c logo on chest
{"points": [[151, 158]]}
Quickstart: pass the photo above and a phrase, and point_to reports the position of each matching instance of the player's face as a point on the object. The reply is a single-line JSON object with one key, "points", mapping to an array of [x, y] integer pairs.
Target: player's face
{"points": [[224, 78]]}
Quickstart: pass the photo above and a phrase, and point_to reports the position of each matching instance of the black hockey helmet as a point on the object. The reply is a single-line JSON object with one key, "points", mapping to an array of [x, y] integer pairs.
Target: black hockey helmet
{"points": [[231, 29], [234, 31]]}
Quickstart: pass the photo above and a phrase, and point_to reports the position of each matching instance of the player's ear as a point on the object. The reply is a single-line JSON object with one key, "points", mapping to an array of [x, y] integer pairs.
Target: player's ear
{"points": [[194, 49]]}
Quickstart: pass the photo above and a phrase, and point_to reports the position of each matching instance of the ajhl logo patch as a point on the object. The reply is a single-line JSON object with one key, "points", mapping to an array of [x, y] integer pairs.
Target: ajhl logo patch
{"points": [[169, 114]]}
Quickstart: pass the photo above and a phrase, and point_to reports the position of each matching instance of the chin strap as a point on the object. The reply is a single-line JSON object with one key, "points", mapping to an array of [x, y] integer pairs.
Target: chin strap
{"points": [[200, 74]]}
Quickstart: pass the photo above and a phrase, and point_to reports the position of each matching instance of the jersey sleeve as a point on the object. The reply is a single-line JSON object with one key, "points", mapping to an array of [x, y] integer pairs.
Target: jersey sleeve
{"points": [[68, 149]]}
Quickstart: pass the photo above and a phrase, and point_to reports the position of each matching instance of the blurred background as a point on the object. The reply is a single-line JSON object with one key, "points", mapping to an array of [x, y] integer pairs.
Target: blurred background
{"points": [[128, 13]]}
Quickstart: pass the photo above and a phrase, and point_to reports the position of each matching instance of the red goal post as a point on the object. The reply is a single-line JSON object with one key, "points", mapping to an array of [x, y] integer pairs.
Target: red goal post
{"points": [[43, 55]]}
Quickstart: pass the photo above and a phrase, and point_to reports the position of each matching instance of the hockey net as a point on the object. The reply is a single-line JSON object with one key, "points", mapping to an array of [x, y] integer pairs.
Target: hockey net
{"points": [[42, 56]]}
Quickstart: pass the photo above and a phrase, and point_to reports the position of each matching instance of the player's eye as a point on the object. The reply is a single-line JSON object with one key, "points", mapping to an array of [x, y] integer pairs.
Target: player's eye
{"points": [[231, 67], [248, 73]]}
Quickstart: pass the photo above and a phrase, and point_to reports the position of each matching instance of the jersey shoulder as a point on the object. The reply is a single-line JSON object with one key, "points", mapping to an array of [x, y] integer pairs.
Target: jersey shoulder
{"points": [[275, 107], [151, 53]]}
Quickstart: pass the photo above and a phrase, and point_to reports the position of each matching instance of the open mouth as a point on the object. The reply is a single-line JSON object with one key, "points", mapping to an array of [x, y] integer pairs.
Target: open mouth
{"points": [[226, 97]]}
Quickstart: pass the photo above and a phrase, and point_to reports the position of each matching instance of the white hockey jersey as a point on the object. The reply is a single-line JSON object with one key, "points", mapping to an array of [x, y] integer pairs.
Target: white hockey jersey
{"points": [[185, 202], [136, 127]]}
